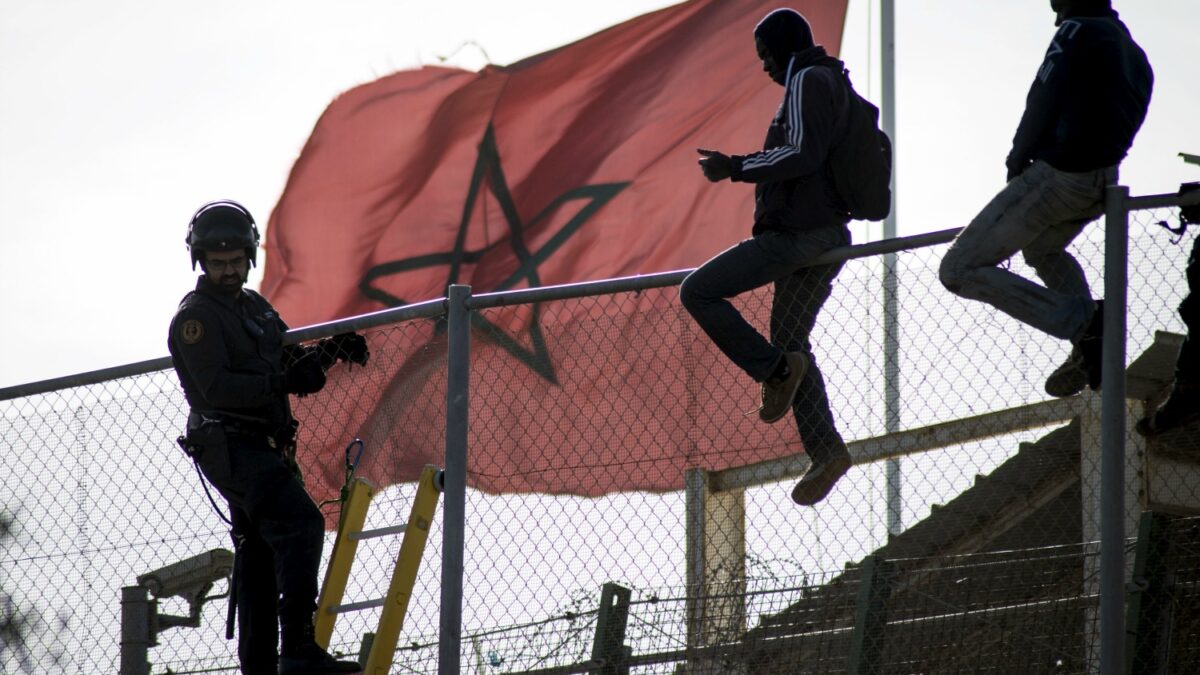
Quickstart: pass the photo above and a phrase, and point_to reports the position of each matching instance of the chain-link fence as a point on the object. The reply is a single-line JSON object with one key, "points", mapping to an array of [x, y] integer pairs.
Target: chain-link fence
{"points": [[624, 512]]}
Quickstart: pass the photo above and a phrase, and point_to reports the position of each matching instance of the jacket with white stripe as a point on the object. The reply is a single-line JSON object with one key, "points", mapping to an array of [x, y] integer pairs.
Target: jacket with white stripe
{"points": [[793, 191]]}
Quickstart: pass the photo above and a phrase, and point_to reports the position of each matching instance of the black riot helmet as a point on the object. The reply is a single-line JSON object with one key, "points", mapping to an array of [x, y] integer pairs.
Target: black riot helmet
{"points": [[223, 225]]}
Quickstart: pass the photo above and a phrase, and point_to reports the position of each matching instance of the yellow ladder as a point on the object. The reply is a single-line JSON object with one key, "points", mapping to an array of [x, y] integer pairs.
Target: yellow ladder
{"points": [[404, 575]]}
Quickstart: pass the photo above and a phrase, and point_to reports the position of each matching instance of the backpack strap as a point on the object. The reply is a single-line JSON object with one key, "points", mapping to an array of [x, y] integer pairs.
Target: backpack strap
{"points": [[847, 101]]}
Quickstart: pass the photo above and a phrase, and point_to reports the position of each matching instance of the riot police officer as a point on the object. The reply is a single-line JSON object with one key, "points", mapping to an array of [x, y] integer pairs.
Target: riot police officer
{"points": [[227, 345]]}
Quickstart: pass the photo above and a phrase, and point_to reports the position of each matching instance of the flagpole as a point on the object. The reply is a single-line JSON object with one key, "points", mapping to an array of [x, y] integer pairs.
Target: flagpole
{"points": [[891, 335]]}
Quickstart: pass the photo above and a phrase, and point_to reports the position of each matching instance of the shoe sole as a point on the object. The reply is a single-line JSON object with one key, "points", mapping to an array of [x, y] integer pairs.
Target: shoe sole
{"points": [[823, 485], [1068, 380], [791, 398]]}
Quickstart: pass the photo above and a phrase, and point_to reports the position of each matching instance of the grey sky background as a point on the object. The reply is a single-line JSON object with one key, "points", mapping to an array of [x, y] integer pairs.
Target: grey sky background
{"points": [[118, 119]]}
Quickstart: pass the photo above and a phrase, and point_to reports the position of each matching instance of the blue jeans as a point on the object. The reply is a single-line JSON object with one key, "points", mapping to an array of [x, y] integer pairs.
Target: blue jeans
{"points": [[1038, 213], [800, 291]]}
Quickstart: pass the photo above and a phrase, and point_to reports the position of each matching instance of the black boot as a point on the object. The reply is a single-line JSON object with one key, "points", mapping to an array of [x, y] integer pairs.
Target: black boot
{"points": [[299, 654], [1091, 346], [1181, 408]]}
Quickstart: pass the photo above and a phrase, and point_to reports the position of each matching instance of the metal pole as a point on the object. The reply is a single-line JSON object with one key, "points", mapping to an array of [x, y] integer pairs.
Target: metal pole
{"points": [[891, 324], [458, 371], [1112, 434], [136, 640], [695, 492]]}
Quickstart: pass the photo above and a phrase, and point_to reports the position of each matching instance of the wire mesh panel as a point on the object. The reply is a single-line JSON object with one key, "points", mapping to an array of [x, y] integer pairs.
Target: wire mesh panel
{"points": [[1180, 601], [609, 442], [1019, 483], [98, 493]]}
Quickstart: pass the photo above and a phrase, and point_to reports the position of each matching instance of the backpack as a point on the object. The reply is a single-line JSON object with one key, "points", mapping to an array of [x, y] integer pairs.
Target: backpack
{"points": [[860, 164]]}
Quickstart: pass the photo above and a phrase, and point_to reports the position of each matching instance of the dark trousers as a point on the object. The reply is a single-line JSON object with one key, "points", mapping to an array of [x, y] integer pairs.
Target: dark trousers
{"points": [[280, 533], [1187, 369], [779, 258]]}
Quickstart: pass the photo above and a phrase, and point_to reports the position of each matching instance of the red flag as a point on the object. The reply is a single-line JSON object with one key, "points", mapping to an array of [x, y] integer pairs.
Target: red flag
{"points": [[572, 165]]}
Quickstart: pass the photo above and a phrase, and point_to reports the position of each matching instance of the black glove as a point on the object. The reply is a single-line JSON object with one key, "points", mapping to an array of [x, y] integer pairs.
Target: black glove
{"points": [[348, 347], [292, 354], [305, 376], [716, 166]]}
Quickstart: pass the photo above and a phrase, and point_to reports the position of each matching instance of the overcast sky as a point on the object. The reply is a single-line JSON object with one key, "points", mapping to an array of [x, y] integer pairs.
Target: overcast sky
{"points": [[119, 118]]}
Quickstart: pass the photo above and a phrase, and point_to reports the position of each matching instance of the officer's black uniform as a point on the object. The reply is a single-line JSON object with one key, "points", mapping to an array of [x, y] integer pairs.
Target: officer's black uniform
{"points": [[229, 354]]}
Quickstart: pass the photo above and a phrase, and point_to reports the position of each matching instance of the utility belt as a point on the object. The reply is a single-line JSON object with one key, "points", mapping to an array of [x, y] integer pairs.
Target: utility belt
{"points": [[201, 426]]}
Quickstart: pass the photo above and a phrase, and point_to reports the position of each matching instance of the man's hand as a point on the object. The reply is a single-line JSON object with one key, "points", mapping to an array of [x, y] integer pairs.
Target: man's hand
{"points": [[348, 347], [1016, 167], [305, 376], [715, 165]]}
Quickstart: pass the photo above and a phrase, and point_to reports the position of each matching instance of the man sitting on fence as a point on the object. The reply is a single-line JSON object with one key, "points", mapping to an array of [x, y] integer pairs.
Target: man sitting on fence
{"points": [[794, 223], [1182, 406], [227, 345], [1085, 106]]}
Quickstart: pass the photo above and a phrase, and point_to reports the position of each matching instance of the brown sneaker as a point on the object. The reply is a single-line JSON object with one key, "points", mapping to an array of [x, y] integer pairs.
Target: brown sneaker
{"points": [[1070, 378], [777, 395], [819, 479]]}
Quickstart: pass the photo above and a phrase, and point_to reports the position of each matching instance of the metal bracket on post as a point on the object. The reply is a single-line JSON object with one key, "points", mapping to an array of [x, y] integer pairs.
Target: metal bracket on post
{"points": [[870, 616], [190, 579], [608, 650], [1149, 617]]}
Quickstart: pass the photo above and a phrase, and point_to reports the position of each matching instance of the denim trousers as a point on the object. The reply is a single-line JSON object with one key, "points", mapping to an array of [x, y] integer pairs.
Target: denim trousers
{"points": [[781, 258], [1038, 213]]}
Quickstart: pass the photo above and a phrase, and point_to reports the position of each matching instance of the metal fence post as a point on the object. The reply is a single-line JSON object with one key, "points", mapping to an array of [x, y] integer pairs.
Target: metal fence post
{"points": [[715, 556], [609, 648], [1112, 433], [1150, 605], [458, 371], [695, 491], [137, 618], [870, 616], [891, 379], [891, 303]]}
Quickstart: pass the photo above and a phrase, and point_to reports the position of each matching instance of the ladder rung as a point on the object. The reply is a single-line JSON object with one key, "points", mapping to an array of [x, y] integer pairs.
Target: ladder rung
{"points": [[381, 532], [356, 606]]}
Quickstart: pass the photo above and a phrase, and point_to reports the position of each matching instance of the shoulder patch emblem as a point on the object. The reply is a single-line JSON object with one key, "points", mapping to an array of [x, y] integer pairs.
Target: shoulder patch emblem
{"points": [[191, 332]]}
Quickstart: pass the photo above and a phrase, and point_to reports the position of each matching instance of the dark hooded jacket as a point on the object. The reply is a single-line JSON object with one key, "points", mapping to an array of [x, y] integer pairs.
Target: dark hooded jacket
{"points": [[1088, 100], [793, 190]]}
